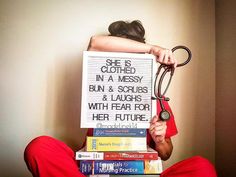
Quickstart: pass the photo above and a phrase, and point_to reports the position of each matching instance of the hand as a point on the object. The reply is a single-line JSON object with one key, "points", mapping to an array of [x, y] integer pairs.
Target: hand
{"points": [[163, 56], [157, 129]]}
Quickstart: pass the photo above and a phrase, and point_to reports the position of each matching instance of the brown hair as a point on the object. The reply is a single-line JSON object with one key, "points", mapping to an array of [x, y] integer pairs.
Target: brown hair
{"points": [[132, 30]]}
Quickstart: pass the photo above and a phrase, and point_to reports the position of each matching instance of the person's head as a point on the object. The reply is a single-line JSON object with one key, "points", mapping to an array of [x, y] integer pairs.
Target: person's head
{"points": [[132, 30]]}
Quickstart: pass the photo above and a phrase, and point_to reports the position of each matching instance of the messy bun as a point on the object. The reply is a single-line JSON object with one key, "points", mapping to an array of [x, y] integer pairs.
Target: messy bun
{"points": [[133, 30]]}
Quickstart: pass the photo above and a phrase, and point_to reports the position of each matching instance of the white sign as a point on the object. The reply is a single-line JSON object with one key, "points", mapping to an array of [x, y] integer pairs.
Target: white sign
{"points": [[117, 90]]}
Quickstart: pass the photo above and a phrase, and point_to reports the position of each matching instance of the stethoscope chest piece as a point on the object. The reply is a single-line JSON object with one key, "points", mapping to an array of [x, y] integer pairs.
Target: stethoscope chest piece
{"points": [[164, 115]]}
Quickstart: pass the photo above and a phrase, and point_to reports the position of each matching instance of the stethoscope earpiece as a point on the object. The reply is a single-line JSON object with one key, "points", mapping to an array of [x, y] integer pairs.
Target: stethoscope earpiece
{"points": [[167, 99]]}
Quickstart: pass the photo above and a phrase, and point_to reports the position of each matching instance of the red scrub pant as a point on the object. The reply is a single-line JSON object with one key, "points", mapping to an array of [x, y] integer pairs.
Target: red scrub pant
{"points": [[48, 157]]}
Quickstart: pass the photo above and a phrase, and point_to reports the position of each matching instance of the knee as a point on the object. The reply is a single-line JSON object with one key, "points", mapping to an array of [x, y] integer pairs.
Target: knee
{"points": [[34, 148], [201, 160], [205, 165], [194, 166]]}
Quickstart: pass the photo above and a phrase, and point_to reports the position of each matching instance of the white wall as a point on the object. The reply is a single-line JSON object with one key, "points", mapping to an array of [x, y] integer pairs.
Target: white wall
{"points": [[41, 43]]}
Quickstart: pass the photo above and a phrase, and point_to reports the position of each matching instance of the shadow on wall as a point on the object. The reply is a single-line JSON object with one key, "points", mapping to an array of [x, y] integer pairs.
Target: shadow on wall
{"points": [[64, 100]]}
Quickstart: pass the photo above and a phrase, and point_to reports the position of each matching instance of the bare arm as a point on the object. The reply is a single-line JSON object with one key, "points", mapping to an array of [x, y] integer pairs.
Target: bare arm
{"points": [[164, 149], [163, 145], [119, 44]]}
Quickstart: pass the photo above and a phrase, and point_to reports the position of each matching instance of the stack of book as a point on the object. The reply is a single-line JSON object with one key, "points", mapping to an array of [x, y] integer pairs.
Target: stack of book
{"points": [[118, 152]]}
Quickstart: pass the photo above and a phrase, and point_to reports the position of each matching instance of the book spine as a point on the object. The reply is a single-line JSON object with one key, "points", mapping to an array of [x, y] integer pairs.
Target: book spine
{"points": [[121, 167], [89, 155], [101, 175], [130, 156], [116, 144], [119, 132], [107, 175], [116, 155]]}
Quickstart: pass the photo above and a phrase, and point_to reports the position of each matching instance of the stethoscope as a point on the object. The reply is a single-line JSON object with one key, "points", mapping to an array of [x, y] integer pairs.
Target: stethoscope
{"points": [[159, 95]]}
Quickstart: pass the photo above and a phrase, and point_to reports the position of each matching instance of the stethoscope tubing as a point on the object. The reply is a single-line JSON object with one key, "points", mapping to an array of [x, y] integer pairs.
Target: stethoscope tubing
{"points": [[187, 50], [168, 68]]}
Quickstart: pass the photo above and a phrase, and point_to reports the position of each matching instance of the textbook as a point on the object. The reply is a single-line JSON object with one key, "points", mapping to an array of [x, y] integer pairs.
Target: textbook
{"points": [[121, 167], [116, 143], [107, 175], [150, 154], [124, 132], [155, 175]]}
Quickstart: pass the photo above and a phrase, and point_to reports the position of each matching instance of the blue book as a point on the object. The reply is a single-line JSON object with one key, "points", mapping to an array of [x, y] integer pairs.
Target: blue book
{"points": [[115, 167], [123, 132]]}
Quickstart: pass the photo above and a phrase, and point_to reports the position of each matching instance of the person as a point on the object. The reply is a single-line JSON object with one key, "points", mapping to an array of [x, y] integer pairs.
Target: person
{"points": [[48, 157], [129, 37]]}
